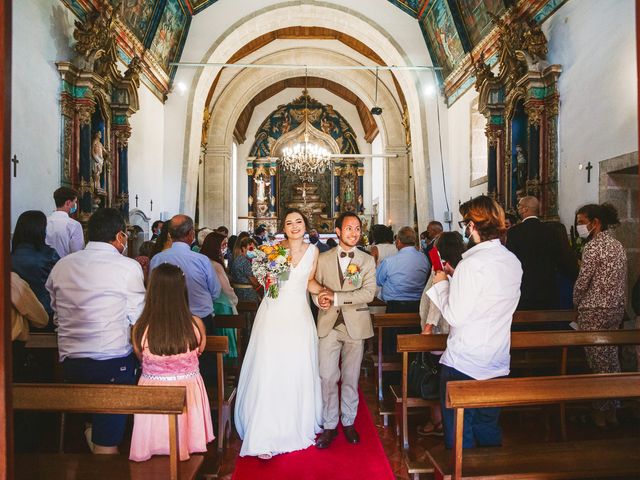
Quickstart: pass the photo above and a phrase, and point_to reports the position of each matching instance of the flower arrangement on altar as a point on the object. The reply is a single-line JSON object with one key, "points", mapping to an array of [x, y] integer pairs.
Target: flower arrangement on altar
{"points": [[352, 275], [271, 265]]}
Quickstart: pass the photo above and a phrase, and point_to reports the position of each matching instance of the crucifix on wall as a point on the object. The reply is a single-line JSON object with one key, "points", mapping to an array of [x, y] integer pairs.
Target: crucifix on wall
{"points": [[15, 162], [588, 169], [136, 200]]}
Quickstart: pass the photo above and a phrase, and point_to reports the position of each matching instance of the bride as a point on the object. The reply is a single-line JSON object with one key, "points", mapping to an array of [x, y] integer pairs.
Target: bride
{"points": [[279, 403]]}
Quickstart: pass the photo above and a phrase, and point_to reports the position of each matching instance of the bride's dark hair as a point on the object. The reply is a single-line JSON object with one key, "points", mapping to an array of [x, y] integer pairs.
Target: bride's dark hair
{"points": [[289, 211]]}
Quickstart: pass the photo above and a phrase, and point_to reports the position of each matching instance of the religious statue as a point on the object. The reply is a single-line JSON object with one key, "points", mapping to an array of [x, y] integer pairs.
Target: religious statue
{"points": [[98, 152], [482, 70], [406, 125], [261, 190], [133, 72], [521, 160]]}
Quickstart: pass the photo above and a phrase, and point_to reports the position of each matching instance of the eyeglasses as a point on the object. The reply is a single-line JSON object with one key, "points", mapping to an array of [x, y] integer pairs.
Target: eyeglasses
{"points": [[463, 223]]}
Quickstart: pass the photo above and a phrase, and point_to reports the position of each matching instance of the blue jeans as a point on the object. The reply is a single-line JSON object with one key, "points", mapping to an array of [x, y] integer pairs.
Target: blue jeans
{"points": [[481, 427], [107, 430]]}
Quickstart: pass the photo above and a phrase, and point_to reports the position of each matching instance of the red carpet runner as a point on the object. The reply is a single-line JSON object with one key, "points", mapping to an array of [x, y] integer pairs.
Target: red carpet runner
{"points": [[341, 461]]}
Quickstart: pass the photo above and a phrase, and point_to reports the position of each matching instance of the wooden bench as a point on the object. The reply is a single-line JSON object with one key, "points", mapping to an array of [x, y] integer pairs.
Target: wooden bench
{"points": [[534, 317], [519, 340], [222, 397], [121, 399], [600, 458], [239, 324], [386, 363]]}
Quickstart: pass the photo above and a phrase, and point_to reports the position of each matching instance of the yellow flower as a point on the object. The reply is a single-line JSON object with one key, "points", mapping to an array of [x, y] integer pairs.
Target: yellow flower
{"points": [[266, 249], [273, 256], [352, 269]]}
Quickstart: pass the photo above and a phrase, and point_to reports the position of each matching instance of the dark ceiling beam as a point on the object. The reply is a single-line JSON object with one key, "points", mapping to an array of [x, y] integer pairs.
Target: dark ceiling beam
{"points": [[368, 122]]}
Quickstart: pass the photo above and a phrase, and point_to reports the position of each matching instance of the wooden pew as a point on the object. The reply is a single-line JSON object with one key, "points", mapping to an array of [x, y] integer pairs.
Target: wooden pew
{"points": [[519, 340], [601, 458], [382, 363], [122, 399], [239, 324], [222, 397], [543, 316]]}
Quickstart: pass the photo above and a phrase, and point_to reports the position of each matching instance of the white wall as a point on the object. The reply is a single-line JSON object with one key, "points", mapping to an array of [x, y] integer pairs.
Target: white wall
{"points": [[42, 34], [594, 42]]}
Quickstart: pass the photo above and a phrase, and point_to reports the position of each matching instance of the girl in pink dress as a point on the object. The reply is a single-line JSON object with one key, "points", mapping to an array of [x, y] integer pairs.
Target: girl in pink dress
{"points": [[168, 341]]}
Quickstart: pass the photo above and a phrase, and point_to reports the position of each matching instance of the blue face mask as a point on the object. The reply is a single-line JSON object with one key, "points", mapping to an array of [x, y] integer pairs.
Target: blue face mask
{"points": [[423, 244], [251, 254], [74, 209]]}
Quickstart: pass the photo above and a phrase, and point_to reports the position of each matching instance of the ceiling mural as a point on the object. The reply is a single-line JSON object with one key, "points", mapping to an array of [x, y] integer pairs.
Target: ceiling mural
{"points": [[443, 39], [138, 16], [171, 33], [412, 7], [476, 19]]}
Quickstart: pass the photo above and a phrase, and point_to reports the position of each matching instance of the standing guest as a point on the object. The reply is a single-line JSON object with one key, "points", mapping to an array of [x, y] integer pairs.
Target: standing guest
{"points": [[260, 235], [243, 280], [478, 303], [383, 245], [331, 243], [156, 228], [538, 250], [451, 247], [599, 293], [510, 220], [402, 278], [314, 239], [31, 257], [567, 272], [223, 230], [168, 340], [433, 231], [200, 236], [163, 242], [63, 232], [202, 283], [144, 258], [215, 247], [97, 294], [233, 250]]}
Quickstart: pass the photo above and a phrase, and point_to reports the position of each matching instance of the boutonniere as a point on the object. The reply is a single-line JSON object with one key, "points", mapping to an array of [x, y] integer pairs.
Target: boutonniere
{"points": [[353, 275]]}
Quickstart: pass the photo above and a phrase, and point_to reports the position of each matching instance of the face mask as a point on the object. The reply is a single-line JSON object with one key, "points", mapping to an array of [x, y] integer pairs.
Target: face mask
{"points": [[423, 244], [74, 209], [124, 246], [583, 231], [223, 252], [251, 254], [466, 234]]}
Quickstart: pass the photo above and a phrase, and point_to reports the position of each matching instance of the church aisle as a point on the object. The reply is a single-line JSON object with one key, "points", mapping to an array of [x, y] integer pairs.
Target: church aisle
{"points": [[340, 461]]}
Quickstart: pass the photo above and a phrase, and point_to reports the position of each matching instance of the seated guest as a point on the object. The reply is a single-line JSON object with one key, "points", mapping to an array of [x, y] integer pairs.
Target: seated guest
{"points": [[214, 247], [538, 250], [31, 257], [97, 294], [383, 245], [478, 303], [451, 247], [168, 340], [202, 282], [402, 278], [144, 258], [314, 239], [243, 280], [599, 293], [163, 241], [63, 232], [433, 231]]}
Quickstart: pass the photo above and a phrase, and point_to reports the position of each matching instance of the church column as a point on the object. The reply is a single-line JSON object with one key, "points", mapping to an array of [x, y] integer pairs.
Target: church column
{"points": [[398, 200], [85, 110], [360, 198], [336, 203], [250, 199], [216, 187], [121, 167], [273, 198], [494, 134]]}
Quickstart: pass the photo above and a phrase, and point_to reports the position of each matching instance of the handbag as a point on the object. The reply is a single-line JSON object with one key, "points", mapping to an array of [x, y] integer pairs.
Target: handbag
{"points": [[422, 378]]}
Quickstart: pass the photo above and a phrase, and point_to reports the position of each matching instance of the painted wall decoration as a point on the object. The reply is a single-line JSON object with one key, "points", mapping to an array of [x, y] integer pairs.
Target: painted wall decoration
{"points": [[171, 33], [199, 5], [138, 16], [442, 36], [412, 7], [476, 19], [478, 150], [288, 117]]}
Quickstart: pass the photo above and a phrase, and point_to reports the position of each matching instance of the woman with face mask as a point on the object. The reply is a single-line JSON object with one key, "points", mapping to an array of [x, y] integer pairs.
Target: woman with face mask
{"points": [[244, 283], [599, 293]]}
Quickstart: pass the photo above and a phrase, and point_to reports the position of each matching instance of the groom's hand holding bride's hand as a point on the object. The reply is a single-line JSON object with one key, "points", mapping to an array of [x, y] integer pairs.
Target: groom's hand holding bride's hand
{"points": [[325, 298]]}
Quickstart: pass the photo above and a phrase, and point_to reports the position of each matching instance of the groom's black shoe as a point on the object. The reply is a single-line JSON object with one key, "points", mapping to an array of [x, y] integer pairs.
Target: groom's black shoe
{"points": [[351, 435], [326, 437]]}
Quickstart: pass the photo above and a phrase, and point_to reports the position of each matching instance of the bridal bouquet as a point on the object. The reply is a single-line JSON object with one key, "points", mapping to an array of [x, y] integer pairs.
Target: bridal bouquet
{"points": [[271, 266]]}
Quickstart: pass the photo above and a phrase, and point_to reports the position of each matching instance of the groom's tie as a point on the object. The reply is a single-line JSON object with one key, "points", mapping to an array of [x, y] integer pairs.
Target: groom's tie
{"points": [[345, 254]]}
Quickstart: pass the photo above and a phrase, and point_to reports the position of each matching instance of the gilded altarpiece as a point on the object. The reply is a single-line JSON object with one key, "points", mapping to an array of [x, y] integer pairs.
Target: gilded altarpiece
{"points": [[96, 103], [521, 104], [272, 189]]}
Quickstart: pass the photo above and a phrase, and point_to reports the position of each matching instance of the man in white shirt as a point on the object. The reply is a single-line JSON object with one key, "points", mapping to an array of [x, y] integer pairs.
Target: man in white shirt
{"points": [[63, 232], [97, 294]]}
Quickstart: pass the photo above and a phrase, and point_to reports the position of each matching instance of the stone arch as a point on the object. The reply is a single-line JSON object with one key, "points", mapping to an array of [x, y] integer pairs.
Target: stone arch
{"points": [[337, 18]]}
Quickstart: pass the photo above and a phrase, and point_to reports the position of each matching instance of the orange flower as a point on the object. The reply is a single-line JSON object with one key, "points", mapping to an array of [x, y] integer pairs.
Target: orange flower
{"points": [[352, 269], [266, 249], [273, 256]]}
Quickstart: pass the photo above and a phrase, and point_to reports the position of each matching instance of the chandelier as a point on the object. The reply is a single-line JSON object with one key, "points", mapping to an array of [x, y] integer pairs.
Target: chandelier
{"points": [[305, 159]]}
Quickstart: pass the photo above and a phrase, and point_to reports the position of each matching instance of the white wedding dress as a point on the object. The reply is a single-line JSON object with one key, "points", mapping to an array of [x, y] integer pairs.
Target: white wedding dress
{"points": [[279, 403]]}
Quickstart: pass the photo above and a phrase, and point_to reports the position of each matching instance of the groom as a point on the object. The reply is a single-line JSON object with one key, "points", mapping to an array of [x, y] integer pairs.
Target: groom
{"points": [[349, 278]]}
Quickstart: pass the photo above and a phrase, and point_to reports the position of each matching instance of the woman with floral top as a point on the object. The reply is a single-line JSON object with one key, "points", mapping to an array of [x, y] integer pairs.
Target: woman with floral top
{"points": [[599, 293]]}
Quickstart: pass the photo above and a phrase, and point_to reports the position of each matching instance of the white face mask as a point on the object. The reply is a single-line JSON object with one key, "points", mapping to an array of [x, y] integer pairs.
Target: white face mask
{"points": [[583, 231]]}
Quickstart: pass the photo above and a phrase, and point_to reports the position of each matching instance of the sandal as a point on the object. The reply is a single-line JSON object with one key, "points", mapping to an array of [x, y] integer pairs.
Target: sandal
{"points": [[430, 429]]}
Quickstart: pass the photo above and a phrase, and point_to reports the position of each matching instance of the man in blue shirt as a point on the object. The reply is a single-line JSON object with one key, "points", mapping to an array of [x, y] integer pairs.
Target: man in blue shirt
{"points": [[402, 278], [203, 286]]}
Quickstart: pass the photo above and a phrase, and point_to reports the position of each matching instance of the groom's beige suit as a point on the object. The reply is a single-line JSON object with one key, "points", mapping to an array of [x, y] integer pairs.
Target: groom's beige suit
{"points": [[342, 330]]}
